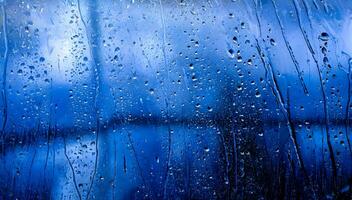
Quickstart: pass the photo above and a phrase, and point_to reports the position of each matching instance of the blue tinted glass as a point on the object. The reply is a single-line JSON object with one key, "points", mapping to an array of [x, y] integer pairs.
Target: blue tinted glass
{"points": [[175, 99]]}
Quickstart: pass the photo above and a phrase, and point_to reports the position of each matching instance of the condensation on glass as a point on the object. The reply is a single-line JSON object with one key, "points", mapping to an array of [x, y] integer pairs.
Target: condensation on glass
{"points": [[175, 99]]}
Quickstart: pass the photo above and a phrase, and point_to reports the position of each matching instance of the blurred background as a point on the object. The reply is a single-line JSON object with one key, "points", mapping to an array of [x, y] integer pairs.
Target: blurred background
{"points": [[175, 99]]}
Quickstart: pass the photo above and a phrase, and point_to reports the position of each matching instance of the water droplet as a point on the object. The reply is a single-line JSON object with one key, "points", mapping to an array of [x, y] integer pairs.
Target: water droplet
{"points": [[243, 25], [324, 36], [239, 58], [257, 94], [249, 62], [194, 78], [151, 91], [272, 42], [231, 53], [234, 39]]}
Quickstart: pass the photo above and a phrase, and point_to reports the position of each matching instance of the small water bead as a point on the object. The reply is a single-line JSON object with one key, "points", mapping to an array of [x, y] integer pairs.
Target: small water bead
{"points": [[324, 36], [234, 39], [272, 42], [257, 94], [231, 53]]}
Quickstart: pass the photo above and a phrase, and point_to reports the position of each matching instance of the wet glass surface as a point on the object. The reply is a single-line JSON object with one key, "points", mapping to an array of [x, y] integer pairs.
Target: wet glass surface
{"points": [[148, 99]]}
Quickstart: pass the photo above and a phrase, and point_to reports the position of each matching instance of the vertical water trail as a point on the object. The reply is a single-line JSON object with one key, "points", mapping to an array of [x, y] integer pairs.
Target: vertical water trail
{"points": [[348, 104], [306, 9], [4, 73], [289, 48], [137, 161], [115, 169], [269, 73], [72, 169], [226, 155], [29, 190], [166, 99], [232, 131], [322, 88], [49, 131], [97, 80], [279, 98]]}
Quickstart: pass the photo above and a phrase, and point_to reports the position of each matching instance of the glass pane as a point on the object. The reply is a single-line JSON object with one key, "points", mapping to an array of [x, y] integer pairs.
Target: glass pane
{"points": [[175, 99]]}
